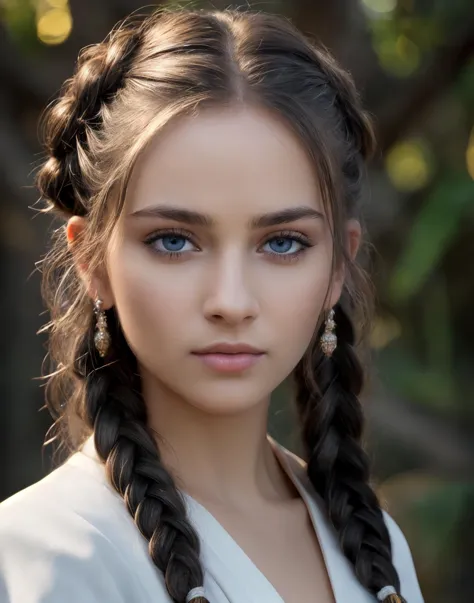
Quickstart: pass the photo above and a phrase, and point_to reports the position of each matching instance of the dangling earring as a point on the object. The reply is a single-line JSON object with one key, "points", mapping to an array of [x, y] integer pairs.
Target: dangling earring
{"points": [[102, 335], [328, 339]]}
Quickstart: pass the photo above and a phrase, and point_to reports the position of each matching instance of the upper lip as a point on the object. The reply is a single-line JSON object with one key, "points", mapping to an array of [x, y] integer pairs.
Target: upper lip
{"points": [[229, 348]]}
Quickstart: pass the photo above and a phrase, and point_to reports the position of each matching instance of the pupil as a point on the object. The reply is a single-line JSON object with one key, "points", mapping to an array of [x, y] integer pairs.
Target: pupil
{"points": [[173, 243], [281, 244]]}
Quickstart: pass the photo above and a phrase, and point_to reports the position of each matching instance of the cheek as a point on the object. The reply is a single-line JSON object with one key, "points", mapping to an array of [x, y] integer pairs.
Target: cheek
{"points": [[151, 306], [298, 295], [298, 302]]}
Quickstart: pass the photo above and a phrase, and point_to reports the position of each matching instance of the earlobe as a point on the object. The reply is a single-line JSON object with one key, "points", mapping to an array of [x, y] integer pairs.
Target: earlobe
{"points": [[98, 287], [95, 283], [336, 288], [353, 240]]}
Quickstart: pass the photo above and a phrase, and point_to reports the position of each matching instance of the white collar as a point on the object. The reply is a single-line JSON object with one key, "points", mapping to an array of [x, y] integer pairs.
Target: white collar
{"points": [[218, 545]]}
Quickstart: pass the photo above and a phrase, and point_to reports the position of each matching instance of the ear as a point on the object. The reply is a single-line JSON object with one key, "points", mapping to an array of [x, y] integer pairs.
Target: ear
{"points": [[97, 282], [353, 241]]}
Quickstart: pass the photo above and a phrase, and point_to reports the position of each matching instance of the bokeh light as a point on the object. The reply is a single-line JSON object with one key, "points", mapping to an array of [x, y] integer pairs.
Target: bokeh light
{"points": [[64, 4], [53, 21], [385, 330], [380, 6], [409, 165], [470, 155], [399, 56]]}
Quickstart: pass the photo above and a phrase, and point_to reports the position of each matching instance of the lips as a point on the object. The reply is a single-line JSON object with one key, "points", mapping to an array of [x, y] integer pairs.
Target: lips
{"points": [[229, 348], [229, 357]]}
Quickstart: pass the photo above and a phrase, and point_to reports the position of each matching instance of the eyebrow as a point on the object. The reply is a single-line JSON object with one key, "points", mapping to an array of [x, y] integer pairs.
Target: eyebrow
{"points": [[194, 218]]}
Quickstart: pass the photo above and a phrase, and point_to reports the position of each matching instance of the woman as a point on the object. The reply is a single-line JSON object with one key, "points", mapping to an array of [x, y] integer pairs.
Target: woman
{"points": [[208, 167]]}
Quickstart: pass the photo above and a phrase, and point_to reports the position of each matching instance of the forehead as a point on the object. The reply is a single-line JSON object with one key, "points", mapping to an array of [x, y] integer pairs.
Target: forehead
{"points": [[225, 162]]}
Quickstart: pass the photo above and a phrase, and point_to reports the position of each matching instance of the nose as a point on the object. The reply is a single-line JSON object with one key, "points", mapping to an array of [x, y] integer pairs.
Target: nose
{"points": [[229, 298]]}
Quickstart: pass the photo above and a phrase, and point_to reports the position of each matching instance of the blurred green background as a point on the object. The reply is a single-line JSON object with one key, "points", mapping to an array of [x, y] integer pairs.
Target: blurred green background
{"points": [[413, 61]]}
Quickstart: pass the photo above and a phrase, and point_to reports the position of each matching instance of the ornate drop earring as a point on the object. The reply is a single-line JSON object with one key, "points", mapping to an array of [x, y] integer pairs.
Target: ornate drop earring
{"points": [[102, 335], [328, 339]]}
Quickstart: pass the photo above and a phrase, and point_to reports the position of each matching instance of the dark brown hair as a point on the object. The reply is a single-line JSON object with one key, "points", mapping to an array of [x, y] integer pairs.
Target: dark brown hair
{"points": [[147, 72]]}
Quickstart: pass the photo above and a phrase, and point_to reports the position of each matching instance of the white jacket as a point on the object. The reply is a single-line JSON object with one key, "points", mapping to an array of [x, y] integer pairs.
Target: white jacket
{"points": [[70, 539]]}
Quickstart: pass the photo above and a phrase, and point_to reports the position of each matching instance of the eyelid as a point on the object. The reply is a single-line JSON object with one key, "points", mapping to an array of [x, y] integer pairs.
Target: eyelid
{"points": [[163, 232], [289, 234]]}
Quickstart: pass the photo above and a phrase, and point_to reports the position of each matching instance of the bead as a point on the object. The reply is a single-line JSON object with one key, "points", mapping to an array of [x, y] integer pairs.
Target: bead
{"points": [[328, 343], [102, 342], [101, 337], [388, 594], [195, 593], [328, 339]]}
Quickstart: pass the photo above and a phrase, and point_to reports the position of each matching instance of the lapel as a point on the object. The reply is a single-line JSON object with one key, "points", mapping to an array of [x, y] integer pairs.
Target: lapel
{"points": [[344, 583], [228, 569]]}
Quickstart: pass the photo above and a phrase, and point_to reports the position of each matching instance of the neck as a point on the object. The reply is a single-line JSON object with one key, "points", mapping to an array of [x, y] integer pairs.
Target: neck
{"points": [[225, 459]]}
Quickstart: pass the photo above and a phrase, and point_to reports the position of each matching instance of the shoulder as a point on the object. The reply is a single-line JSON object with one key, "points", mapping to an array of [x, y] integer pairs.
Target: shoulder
{"points": [[72, 538]]}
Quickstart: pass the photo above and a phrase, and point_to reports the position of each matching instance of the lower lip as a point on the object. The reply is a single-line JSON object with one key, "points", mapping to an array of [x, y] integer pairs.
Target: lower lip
{"points": [[230, 363]]}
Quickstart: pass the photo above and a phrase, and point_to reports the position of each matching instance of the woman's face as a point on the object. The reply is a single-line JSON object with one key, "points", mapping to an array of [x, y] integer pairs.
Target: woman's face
{"points": [[223, 240]]}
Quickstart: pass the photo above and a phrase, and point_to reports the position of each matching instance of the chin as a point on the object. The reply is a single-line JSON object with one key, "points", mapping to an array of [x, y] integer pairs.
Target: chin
{"points": [[227, 398]]}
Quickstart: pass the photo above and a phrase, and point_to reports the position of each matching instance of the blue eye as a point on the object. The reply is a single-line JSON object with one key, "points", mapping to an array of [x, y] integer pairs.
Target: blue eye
{"points": [[176, 244], [170, 243], [281, 244], [285, 245], [173, 243]]}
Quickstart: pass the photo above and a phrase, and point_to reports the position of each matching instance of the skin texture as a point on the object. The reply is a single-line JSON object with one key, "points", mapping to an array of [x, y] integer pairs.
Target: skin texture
{"points": [[230, 283]]}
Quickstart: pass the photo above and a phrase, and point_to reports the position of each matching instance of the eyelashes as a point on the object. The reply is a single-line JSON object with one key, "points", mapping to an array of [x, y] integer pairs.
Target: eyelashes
{"points": [[291, 237], [173, 238], [172, 243]]}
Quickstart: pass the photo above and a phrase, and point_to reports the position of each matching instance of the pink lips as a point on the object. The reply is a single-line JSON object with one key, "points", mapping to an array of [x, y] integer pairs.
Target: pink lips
{"points": [[229, 357]]}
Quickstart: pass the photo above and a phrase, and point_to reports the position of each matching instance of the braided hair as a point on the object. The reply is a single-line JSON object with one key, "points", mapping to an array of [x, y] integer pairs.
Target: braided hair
{"points": [[76, 116], [117, 413], [327, 390], [124, 89]]}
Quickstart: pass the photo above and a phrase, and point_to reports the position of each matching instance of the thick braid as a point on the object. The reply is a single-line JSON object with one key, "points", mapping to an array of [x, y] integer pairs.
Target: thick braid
{"points": [[115, 410], [76, 115], [355, 120], [338, 467]]}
